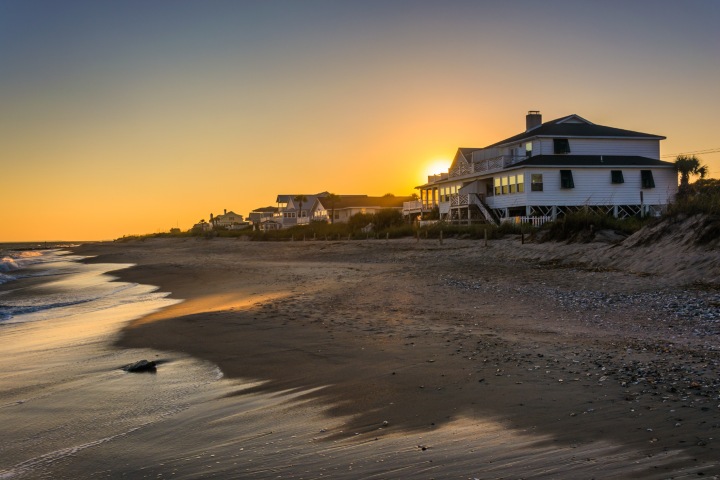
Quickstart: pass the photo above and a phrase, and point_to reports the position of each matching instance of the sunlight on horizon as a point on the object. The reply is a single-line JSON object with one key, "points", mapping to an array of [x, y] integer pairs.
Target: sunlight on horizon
{"points": [[435, 166]]}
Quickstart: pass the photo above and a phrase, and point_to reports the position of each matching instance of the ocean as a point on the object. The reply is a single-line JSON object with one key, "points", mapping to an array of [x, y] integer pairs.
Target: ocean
{"points": [[69, 410], [62, 387]]}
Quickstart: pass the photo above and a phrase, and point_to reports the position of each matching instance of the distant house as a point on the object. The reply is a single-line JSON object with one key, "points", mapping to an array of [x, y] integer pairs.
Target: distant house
{"points": [[291, 212], [260, 214], [267, 225], [346, 206], [202, 226], [552, 168], [229, 220]]}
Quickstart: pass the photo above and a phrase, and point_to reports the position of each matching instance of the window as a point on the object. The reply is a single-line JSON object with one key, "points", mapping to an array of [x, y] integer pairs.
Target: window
{"points": [[616, 176], [504, 185], [566, 179], [536, 182], [497, 186], [512, 183], [520, 183], [646, 178], [528, 149], [561, 145]]}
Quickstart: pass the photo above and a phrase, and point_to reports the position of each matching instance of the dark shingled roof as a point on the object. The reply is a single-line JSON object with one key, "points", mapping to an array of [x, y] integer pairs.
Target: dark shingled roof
{"points": [[557, 128], [266, 210], [591, 161], [355, 201]]}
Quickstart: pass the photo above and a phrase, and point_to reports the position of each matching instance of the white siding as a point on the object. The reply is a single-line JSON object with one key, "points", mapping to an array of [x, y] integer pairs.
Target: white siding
{"points": [[598, 146], [593, 186]]}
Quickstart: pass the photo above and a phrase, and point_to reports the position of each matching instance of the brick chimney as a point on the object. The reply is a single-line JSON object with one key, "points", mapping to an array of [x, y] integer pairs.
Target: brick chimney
{"points": [[533, 119]]}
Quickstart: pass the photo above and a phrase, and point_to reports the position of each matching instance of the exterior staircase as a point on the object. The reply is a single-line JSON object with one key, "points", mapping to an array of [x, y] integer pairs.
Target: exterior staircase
{"points": [[478, 201]]}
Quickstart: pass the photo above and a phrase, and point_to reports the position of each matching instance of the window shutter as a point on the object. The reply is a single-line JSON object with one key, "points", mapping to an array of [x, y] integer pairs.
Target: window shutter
{"points": [[646, 177]]}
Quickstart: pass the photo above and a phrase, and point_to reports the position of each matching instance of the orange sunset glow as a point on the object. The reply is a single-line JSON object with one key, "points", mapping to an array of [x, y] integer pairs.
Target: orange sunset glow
{"points": [[136, 117]]}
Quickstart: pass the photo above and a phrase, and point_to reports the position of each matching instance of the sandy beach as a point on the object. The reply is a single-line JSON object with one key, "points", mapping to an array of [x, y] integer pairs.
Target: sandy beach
{"points": [[453, 360]]}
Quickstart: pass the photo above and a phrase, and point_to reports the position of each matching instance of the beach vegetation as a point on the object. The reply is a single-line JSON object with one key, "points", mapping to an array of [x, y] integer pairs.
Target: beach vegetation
{"points": [[300, 199], [689, 166], [581, 226], [332, 199], [359, 221], [387, 218], [701, 197]]}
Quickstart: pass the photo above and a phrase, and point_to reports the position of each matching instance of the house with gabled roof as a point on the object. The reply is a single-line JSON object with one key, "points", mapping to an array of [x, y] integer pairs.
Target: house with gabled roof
{"points": [[552, 168], [341, 208], [229, 220], [292, 212]]}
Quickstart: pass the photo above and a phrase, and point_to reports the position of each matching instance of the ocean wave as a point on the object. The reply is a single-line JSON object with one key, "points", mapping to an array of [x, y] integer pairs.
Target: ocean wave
{"points": [[121, 295], [7, 264], [16, 260], [10, 311]]}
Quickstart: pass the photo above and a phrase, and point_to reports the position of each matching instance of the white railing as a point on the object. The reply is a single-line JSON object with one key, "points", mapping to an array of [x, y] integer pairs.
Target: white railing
{"points": [[458, 199], [412, 206], [497, 163], [534, 221]]}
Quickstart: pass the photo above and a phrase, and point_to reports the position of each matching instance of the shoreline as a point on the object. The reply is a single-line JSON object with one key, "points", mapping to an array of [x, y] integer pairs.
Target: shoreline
{"points": [[424, 336]]}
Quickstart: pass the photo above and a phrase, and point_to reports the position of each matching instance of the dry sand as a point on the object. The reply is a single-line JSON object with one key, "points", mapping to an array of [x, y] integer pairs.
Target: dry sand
{"points": [[542, 360]]}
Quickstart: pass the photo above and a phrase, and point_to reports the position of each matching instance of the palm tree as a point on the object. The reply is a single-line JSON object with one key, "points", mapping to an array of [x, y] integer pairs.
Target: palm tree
{"points": [[299, 199], [331, 199], [689, 165]]}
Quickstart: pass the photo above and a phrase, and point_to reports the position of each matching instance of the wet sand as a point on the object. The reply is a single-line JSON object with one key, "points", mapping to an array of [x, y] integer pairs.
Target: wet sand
{"points": [[441, 361]]}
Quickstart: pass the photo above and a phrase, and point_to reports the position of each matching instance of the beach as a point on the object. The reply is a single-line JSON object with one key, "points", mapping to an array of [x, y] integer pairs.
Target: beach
{"points": [[508, 358], [407, 358]]}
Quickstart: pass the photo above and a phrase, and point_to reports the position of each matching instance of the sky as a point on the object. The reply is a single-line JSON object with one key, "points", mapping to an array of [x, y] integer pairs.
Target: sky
{"points": [[134, 117]]}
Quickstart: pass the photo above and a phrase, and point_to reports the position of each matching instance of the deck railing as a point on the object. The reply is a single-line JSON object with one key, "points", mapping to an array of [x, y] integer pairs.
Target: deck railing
{"points": [[487, 165], [459, 199], [414, 206], [534, 221]]}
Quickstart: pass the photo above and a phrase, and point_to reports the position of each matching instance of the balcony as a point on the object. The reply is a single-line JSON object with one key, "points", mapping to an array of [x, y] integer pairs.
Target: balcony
{"points": [[415, 206], [489, 165]]}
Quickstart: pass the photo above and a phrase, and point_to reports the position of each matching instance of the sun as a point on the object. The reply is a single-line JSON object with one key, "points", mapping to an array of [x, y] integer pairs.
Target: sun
{"points": [[438, 165]]}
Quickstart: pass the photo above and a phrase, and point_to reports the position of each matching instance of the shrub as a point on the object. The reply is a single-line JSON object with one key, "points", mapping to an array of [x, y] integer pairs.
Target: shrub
{"points": [[583, 224], [386, 218], [702, 196]]}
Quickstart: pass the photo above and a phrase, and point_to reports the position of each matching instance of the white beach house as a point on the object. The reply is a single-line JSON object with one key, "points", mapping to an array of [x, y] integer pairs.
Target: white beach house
{"points": [[552, 168], [291, 212]]}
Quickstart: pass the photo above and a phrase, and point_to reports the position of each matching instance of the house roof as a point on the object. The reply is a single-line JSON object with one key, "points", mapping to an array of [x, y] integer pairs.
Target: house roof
{"points": [[265, 210], [364, 201], [591, 161], [574, 126], [230, 213], [284, 198]]}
